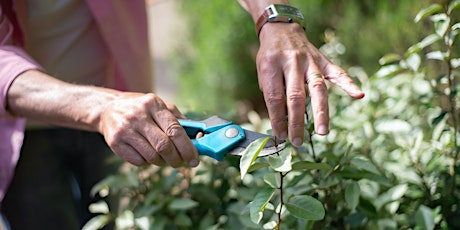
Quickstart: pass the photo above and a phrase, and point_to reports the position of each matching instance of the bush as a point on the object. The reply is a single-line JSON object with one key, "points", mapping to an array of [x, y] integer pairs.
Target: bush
{"points": [[391, 160]]}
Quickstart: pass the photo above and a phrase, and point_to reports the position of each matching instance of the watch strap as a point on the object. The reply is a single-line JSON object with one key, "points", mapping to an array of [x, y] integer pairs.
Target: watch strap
{"points": [[270, 11]]}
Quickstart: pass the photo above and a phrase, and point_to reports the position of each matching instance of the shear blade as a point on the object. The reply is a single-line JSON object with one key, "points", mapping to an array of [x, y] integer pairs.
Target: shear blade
{"points": [[269, 148]]}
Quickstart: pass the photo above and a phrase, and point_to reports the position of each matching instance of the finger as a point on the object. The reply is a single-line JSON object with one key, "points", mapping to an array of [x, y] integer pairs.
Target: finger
{"points": [[180, 144], [271, 83], [174, 110], [129, 154], [144, 146], [319, 100], [339, 77], [295, 99]]}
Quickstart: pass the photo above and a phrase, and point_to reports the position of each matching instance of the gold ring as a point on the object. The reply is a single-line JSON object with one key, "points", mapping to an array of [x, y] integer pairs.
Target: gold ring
{"points": [[314, 76]]}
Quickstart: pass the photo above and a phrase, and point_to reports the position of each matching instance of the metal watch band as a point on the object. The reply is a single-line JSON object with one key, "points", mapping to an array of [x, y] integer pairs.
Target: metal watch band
{"points": [[271, 14]]}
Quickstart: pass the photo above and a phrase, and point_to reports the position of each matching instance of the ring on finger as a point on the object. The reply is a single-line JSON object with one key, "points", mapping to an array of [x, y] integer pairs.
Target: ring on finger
{"points": [[311, 77]]}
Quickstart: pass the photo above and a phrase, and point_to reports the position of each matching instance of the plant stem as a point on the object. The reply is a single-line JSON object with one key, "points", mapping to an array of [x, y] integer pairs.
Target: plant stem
{"points": [[453, 107], [278, 224]]}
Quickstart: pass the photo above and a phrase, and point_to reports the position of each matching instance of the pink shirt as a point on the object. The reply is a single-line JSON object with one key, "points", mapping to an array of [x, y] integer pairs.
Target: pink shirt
{"points": [[123, 25]]}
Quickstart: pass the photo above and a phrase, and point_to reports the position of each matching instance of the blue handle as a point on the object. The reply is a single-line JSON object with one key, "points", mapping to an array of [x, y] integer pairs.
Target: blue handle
{"points": [[219, 138]]}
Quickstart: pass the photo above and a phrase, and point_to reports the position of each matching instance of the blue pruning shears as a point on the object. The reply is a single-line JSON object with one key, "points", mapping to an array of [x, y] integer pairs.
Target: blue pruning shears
{"points": [[222, 137]]}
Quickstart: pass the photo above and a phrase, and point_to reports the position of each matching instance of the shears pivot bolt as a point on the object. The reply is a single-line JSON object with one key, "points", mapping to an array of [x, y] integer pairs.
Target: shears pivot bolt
{"points": [[231, 132]]}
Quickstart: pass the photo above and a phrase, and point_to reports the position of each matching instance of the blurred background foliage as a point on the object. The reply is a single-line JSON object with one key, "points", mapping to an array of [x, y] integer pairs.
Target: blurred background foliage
{"points": [[395, 154], [216, 59]]}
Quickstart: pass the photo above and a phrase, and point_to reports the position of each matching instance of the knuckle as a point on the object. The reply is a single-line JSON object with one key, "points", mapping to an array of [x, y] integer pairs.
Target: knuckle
{"points": [[273, 99], [174, 130], [296, 96], [163, 146]]}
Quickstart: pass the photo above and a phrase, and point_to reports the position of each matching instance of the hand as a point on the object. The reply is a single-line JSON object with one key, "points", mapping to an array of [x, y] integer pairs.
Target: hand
{"points": [[141, 128], [286, 61]]}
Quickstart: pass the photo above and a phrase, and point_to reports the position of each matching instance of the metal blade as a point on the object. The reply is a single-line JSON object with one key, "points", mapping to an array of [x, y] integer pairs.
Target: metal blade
{"points": [[270, 147]]}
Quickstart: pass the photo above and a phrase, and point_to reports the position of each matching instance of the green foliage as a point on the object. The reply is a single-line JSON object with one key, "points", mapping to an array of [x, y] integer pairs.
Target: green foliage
{"points": [[217, 52], [391, 160]]}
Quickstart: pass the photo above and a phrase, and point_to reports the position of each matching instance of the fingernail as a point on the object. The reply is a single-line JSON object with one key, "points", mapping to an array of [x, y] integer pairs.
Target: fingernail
{"points": [[283, 135], [297, 141], [193, 163], [322, 130]]}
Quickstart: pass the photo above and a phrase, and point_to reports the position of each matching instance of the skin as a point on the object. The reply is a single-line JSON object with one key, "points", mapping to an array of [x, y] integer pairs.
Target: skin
{"points": [[143, 129], [140, 128], [286, 61]]}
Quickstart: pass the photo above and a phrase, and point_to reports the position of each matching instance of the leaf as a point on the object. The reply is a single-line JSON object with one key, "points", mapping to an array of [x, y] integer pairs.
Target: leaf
{"points": [[364, 164], [307, 165], [453, 6], [99, 207], [392, 194], [441, 23], [97, 222], [273, 179], [436, 55], [281, 162], [389, 58], [425, 42], [424, 218], [455, 62], [388, 70], [183, 220], [250, 154], [433, 8], [183, 204], [352, 193], [305, 207], [413, 61], [257, 206], [258, 165]]}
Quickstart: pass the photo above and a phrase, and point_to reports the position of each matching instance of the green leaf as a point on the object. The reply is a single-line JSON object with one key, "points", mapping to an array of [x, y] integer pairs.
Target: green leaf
{"points": [[388, 70], [352, 192], [424, 218], [392, 194], [441, 23], [97, 222], [183, 220], [305, 207], [307, 165], [425, 42], [257, 206], [453, 6], [436, 55], [250, 154], [455, 62], [364, 164], [183, 204], [433, 8], [413, 61], [258, 165], [99, 207], [273, 179], [281, 162], [389, 58]]}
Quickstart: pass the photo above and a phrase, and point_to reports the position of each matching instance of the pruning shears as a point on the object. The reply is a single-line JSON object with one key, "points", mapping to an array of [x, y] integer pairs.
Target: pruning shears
{"points": [[218, 137]]}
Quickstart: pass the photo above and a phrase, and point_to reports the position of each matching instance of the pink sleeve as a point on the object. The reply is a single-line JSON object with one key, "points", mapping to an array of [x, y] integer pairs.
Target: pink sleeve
{"points": [[13, 61]]}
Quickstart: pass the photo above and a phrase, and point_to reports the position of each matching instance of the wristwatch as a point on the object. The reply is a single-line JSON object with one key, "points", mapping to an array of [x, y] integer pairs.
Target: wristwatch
{"points": [[280, 13]]}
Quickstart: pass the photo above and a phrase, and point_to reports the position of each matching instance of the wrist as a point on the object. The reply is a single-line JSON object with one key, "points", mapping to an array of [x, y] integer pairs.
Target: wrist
{"points": [[277, 13]]}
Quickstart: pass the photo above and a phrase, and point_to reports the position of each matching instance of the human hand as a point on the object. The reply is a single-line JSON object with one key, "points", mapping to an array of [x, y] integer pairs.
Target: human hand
{"points": [[141, 128], [286, 61]]}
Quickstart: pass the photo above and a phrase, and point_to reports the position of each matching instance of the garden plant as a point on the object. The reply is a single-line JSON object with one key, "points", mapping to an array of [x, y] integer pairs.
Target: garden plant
{"points": [[390, 161]]}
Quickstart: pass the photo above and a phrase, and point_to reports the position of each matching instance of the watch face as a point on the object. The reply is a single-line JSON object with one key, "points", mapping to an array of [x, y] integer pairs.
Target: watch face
{"points": [[288, 10]]}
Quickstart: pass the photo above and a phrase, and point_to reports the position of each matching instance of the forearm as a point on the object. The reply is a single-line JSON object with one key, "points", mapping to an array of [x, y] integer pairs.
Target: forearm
{"points": [[256, 7], [35, 95]]}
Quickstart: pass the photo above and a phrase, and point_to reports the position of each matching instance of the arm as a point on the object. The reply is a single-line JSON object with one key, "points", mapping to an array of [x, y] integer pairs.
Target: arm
{"points": [[139, 128], [286, 61]]}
